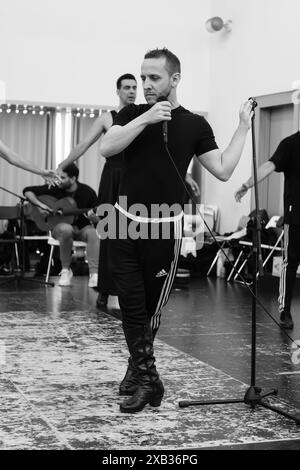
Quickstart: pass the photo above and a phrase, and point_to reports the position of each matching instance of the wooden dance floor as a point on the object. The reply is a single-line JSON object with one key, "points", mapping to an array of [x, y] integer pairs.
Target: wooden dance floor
{"points": [[62, 360]]}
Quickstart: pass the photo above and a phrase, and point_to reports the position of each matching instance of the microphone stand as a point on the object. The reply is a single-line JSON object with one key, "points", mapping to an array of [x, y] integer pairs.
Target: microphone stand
{"points": [[253, 395], [19, 272]]}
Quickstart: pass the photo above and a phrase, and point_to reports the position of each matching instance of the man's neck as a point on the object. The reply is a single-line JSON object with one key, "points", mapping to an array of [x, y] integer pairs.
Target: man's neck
{"points": [[121, 106], [72, 188], [173, 101], [175, 105]]}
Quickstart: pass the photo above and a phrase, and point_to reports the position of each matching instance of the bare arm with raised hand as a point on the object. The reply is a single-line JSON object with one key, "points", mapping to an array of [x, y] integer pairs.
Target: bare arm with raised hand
{"points": [[222, 165], [101, 125]]}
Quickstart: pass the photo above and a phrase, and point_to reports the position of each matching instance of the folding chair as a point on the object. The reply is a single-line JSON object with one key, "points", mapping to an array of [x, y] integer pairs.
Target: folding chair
{"points": [[53, 242]]}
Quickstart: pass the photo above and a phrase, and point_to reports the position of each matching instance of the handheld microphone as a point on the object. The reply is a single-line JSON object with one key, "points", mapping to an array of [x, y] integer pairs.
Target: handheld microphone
{"points": [[164, 123], [92, 212]]}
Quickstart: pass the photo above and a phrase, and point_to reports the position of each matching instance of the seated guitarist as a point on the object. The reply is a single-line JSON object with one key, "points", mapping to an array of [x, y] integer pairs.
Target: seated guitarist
{"points": [[81, 229]]}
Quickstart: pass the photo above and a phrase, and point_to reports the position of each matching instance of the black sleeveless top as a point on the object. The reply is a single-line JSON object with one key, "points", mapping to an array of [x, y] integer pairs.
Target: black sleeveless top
{"points": [[114, 160]]}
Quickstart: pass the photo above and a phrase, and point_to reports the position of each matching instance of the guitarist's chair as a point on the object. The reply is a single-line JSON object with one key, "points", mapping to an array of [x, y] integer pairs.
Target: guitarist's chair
{"points": [[30, 238], [53, 242]]}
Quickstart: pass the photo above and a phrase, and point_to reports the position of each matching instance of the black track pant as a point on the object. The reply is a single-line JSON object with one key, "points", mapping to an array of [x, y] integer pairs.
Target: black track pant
{"points": [[144, 271], [291, 262]]}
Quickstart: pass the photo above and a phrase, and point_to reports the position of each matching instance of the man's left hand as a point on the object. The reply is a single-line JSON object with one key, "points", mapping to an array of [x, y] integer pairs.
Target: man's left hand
{"points": [[90, 215], [193, 185], [246, 114]]}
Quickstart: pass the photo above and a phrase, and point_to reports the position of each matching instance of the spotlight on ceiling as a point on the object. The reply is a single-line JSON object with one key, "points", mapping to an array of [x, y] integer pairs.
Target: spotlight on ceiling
{"points": [[216, 23]]}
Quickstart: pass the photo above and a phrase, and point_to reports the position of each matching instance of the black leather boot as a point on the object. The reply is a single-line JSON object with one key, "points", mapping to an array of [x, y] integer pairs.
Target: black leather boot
{"points": [[130, 382], [150, 389], [286, 320]]}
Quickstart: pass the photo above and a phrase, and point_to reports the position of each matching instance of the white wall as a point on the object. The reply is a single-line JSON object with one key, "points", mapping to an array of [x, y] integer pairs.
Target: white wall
{"points": [[72, 51], [260, 56]]}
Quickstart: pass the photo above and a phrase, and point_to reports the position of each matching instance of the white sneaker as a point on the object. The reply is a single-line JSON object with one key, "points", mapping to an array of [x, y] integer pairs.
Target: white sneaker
{"points": [[65, 277], [93, 280]]}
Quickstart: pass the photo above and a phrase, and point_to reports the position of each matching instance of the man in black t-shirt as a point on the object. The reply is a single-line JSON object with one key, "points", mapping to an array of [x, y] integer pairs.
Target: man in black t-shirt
{"points": [[149, 209], [82, 228], [286, 159], [126, 86]]}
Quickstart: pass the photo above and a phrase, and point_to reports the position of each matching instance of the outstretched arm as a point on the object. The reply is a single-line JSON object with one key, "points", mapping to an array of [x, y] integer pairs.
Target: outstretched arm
{"points": [[263, 172], [222, 165], [102, 124], [11, 157]]}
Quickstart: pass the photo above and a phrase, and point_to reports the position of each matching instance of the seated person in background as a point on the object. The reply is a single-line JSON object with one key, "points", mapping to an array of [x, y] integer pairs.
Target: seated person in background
{"points": [[81, 229]]}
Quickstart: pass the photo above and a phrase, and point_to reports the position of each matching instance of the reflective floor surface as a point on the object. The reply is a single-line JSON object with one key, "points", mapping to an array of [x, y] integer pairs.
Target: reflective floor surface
{"points": [[62, 360]]}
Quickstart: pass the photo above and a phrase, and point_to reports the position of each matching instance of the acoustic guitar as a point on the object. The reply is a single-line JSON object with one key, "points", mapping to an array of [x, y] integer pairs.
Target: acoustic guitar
{"points": [[62, 211]]}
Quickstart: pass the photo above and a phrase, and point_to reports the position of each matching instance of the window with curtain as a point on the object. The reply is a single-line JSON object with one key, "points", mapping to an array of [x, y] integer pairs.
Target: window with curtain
{"points": [[45, 136], [30, 132]]}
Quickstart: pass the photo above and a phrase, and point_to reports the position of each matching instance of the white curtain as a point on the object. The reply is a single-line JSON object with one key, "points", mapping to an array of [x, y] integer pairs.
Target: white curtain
{"points": [[91, 163], [32, 137]]}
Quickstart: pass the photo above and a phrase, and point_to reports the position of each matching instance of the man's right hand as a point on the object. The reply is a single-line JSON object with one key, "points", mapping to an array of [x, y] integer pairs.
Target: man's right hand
{"points": [[44, 209], [240, 193], [159, 112]]}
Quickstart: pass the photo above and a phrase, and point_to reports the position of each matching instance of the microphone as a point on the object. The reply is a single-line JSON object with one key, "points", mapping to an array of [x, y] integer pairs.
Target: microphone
{"points": [[92, 212], [164, 123], [253, 103]]}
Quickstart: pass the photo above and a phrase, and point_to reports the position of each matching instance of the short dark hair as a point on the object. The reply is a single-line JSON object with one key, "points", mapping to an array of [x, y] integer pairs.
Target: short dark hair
{"points": [[126, 76], [172, 61], [72, 170]]}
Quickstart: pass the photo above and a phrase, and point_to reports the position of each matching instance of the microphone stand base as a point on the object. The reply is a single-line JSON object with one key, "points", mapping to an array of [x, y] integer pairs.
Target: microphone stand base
{"points": [[253, 397]]}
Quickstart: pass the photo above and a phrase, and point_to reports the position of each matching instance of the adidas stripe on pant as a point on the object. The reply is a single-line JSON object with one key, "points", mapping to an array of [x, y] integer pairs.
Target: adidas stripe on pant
{"points": [[144, 272], [291, 262]]}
